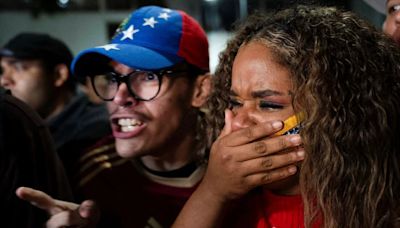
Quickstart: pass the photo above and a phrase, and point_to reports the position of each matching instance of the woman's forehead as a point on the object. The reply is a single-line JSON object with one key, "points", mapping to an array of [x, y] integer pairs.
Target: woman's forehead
{"points": [[255, 69]]}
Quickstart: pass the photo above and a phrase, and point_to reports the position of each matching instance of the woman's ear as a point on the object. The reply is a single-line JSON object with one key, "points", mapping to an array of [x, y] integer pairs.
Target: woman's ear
{"points": [[201, 90], [61, 73]]}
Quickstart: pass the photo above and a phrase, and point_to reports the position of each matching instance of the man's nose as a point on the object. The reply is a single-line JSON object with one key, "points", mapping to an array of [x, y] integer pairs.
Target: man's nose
{"points": [[123, 97], [397, 18], [6, 79]]}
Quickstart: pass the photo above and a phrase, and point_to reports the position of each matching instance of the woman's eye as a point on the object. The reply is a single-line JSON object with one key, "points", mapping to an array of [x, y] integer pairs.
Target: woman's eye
{"points": [[234, 104], [269, 105]]}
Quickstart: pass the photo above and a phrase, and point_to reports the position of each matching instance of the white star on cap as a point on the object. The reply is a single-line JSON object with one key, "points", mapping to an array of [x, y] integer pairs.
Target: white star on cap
{"points": [[128, 34], [108, 47], [150, 22], [164, 16]]}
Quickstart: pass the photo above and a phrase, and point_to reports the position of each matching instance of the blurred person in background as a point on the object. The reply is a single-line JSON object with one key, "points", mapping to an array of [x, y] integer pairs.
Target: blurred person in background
{"points": [[391, 8], [27, 157], [35, 68]]}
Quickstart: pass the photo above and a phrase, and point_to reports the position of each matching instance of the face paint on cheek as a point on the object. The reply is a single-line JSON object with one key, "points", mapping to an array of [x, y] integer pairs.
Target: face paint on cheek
{"points": [[291, 125]]}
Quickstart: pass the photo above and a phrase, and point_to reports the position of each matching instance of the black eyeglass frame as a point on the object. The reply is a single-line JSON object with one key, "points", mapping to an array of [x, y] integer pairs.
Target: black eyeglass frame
{"points": [[121, 78]]}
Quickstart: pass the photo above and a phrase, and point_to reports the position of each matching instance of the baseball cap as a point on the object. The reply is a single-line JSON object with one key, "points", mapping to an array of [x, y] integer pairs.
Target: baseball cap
{"points": [[378, 5], [37, 46], [150, 38]]}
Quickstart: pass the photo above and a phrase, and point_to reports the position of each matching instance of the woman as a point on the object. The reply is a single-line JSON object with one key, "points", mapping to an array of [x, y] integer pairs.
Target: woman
{"points": [[342, 77]]}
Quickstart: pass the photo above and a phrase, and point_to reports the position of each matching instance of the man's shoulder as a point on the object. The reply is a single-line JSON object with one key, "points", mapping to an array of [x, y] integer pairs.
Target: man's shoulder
{"points": [[98, 161], [84, 120], [85, 110], [16, 107]]}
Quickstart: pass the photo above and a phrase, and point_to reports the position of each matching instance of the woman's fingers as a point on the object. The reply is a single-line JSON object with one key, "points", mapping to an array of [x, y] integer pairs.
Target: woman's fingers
{"points": [[265, 147], [270, 176], [250, 134]]}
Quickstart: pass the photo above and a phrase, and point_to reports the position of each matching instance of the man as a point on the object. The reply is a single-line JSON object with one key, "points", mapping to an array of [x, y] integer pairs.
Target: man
{"points": [[35, 68], [154, 74]]}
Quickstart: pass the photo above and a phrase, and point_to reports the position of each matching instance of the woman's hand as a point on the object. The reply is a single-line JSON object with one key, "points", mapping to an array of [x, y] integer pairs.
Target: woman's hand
{"points": [[244, 159], [239, 161]]}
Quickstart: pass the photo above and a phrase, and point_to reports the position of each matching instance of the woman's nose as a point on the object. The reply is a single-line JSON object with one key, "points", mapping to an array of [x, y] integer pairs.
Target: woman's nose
{"points": [[243, 118]]}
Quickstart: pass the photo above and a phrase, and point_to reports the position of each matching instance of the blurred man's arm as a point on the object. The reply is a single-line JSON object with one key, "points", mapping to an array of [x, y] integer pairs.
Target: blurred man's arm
{"points": [[62, 213]]}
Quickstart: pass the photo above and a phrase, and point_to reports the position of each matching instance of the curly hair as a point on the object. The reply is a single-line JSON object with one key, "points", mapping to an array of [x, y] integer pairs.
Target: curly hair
{"points": [[346, 77]]}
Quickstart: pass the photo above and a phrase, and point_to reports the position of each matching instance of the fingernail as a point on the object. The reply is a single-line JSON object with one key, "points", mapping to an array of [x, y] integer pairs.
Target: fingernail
{"points": [[300, 153], [277, 124], [292, 169], [295, 139]]}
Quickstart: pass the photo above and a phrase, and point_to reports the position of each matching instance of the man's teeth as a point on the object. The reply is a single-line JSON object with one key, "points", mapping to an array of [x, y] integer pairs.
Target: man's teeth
{"points": [[128, 124]]}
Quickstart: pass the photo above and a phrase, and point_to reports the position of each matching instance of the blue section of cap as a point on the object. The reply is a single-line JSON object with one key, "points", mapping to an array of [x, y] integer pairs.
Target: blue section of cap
{"points": [[164, 37], [149, 45], [133, 56]]}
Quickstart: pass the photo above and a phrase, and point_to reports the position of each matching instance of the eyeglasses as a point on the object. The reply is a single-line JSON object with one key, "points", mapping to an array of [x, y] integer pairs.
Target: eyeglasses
{"points": [[142, 85]]}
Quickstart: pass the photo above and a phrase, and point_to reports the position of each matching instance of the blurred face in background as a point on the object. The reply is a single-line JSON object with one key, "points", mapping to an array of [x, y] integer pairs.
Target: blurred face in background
{"points": [[28, 81], [392, 22]]}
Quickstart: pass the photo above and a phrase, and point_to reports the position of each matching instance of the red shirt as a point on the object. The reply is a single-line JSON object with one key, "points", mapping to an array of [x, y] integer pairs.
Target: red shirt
{"points": [[281, 211], [128, 195], [263, 209]]}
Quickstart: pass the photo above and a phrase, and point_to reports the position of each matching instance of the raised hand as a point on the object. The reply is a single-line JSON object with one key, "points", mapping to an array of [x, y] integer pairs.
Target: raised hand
{"points": [[62, 213], [244, 159], [240, 161]]}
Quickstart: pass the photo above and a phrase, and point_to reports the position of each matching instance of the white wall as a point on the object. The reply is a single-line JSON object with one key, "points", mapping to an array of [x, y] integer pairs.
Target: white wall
{"points": [[78, 30], [81, 30]]}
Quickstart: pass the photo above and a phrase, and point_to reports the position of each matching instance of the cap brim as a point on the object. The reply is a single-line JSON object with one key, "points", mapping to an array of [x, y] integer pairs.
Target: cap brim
{"points": [[19, 55], [6, 52], [90, 60], [378, 5]]}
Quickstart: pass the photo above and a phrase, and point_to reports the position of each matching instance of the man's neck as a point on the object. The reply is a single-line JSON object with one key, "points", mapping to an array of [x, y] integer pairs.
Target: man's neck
{"points": [[172, 159], [58, 105]]}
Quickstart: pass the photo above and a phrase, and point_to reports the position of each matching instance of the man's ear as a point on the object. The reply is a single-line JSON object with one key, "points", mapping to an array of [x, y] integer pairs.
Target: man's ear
{"points": [[61, 73], [201, 90]]}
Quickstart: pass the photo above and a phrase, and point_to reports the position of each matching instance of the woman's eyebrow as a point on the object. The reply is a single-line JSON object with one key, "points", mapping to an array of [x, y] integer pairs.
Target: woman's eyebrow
{"points": [[232, 93], [263, 93], [266, 93]]}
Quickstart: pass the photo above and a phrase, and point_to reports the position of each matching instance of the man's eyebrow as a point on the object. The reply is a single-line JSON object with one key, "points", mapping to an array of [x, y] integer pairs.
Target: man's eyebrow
{"points": [[13, 61]]}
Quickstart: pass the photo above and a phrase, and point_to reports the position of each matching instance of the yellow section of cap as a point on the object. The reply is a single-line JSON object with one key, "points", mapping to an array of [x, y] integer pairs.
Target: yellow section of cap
{"points": [[290, 123]]}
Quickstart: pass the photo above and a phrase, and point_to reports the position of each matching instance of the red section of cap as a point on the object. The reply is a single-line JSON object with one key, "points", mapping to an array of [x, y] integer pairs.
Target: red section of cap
{"points": [[193, 46]]}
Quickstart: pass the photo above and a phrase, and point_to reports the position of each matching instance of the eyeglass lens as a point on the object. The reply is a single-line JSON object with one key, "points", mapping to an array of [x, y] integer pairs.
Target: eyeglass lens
{"points": [[144, 85]]}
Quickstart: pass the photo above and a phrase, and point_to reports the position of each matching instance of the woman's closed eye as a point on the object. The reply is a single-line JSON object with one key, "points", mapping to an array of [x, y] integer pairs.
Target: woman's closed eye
{"points": [[266, 105], [233, 103]]}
